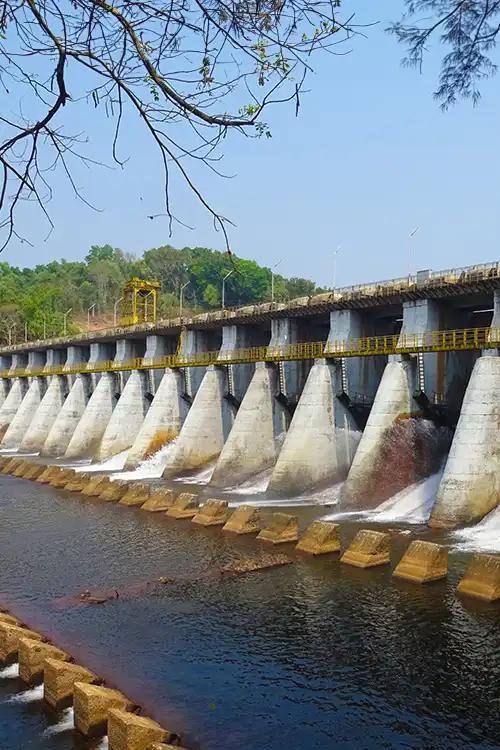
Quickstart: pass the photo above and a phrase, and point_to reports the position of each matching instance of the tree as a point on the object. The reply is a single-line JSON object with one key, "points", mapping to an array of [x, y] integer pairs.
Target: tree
{"points": [[191, 70], [469, 28]]}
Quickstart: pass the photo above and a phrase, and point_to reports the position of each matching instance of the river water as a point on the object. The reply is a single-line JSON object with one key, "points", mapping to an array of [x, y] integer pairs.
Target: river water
{"points": [[312, 655]]}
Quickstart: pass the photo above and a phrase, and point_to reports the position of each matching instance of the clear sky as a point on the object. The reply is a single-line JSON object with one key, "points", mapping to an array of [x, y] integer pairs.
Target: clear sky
{"points": [[370, 157]]}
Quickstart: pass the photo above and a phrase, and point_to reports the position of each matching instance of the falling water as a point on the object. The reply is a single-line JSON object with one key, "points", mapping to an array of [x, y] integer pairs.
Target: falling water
{"points": [[115, 463], [150, 468], [66, 722], [28, 696], [484, 536], [103, 744], [9, 672], [203, 476]]}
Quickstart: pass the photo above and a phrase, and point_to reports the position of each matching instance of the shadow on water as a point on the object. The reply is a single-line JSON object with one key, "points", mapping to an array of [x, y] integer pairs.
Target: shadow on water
{"points": [[309, 655]]}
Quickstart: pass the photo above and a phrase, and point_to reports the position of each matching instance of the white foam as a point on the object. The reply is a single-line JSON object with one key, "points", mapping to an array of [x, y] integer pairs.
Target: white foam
{"points": [[254, 486], [484, 536], [67, 722], [28, 696], [203, 476], [9, 672], [103, 744], [411, 505], [150, 468], [115, 463], [325, 496]]}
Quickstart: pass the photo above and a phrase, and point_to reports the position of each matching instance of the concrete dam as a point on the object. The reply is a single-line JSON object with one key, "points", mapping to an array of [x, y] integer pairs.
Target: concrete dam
{"points": [[376, 386]]}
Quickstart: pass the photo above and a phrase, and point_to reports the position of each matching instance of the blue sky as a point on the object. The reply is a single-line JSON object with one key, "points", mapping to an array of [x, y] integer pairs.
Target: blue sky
{"points": [[370, 157]]}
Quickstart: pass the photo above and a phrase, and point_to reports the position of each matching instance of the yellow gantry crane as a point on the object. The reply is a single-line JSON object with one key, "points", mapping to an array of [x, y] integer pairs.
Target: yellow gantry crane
{"points": [[140, 301]]}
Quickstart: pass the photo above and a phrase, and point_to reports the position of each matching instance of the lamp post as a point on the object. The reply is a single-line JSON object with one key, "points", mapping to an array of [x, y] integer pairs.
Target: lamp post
{"points": [[10, 329], [65, 318], [224, 287], [44, 327], [272, 277], [410, 254], [335, 253], [90, 309], [26, 331], [115, 307], [181, 297]]}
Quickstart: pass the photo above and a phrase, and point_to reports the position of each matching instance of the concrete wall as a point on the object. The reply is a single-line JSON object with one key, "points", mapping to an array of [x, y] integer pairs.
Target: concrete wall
{"points": [[4, 389], [87, 436], [24, 413], [127, 418], [12, 403]]}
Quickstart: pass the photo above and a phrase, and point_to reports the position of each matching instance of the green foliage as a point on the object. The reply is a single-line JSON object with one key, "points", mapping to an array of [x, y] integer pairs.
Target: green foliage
{"points": [[36, 299]]}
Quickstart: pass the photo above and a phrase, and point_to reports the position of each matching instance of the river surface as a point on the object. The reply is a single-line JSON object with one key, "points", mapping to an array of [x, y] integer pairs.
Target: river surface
{"points": [[312, 655]]}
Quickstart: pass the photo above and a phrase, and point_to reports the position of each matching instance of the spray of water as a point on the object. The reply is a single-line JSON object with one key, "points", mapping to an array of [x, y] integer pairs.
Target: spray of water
{"points": [[66, 723], [150, 468], [326, 496], [103, 744], [8, 673], [203, 476], [484, 536], [28, 696], [115, 463], [411, 505]]}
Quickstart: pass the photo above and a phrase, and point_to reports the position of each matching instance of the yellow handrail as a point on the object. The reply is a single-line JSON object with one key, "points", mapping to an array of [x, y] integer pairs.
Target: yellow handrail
{"points": [[368, 346]]}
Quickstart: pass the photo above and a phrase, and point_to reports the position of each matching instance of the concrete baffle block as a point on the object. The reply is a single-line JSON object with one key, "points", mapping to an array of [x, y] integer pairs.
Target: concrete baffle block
{"points": [[160, 500], [35, 471], [320, 538], [3, 461], [280, 529], [368, 549], [45, 475], [164, 746], [137, 494], [9, 639], [423, 562], [9, 619], [482, 578], [21, 467], [79, 481], [244, 520], [9, 465], [212, 513], [185, 506], [95, 485], [127, 731], [91, 704], [114, 492], [59, 678], [62, 479], [31, 657]]}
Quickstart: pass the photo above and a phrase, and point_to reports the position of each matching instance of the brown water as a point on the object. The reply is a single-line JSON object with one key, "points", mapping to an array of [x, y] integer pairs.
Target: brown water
{"points": [[311, 655]]}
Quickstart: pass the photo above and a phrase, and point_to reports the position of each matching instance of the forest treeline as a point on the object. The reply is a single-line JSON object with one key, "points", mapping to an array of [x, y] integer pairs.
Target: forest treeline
{"points": [[33, 301]]}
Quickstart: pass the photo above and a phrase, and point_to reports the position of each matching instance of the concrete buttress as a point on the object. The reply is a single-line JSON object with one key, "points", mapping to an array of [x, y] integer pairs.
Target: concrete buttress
{"points": [[45, 415], [12, 403], [88, 434], [66, 422], [24, 414], [127, 417]]}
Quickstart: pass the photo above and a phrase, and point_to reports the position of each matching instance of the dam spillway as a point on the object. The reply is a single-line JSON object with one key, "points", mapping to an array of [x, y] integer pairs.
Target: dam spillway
{"points": [[363, 385]]}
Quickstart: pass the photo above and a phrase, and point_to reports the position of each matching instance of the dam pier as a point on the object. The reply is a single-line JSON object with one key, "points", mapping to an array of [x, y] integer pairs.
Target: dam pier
{"points": [[375, 386]]}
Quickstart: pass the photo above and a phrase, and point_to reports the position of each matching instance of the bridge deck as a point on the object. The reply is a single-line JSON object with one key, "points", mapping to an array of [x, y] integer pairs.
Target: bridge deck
{"points": [[435, 341]]}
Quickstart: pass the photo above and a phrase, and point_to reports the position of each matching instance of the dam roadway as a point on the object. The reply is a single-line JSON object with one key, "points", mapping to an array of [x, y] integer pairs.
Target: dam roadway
{"points": [[374, 386]]}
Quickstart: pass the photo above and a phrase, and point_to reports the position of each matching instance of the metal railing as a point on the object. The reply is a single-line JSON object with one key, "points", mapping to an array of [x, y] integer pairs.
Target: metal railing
{"points": [[368, 346]]}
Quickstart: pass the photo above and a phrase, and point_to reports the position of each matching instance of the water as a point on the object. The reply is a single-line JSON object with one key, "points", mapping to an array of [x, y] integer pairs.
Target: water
{"points": [[115, 463], [310, 655], [484, 536]]}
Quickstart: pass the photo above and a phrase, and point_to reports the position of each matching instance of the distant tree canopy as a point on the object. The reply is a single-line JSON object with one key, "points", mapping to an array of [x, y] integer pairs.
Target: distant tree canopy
{"points": [[34, 300], [467, 29]]}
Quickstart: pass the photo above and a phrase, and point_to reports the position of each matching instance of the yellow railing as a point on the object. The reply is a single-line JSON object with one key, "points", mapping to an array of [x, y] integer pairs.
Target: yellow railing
{"points": [[368, 346]]}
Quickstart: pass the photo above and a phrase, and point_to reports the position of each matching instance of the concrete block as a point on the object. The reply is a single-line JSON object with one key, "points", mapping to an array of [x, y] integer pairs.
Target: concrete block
{"points": [[11, 465], [62, 479], [95, 485], [280, 529], [91, 705], [3, 461], [368, 549], [137, 494], [423, 562], [34, 471], [59, 678], [212, 513], [160, 499], [114, 492], [482, 578], [320, 538], [9, 639], [21, 467], [244, 520], [31, 657], [45, 475], [9, 619], [127, 731], [163, 746], [185, 506], [79, 481]]}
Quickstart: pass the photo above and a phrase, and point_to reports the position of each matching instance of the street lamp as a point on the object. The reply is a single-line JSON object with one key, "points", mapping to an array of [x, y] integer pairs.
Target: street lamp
{"points": [[44, 327], [224, 287], [115, 307], [90, 309], [65, 318], [10, 329], [410, 254], [181, 297], [335, 253], [272, 277]]}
